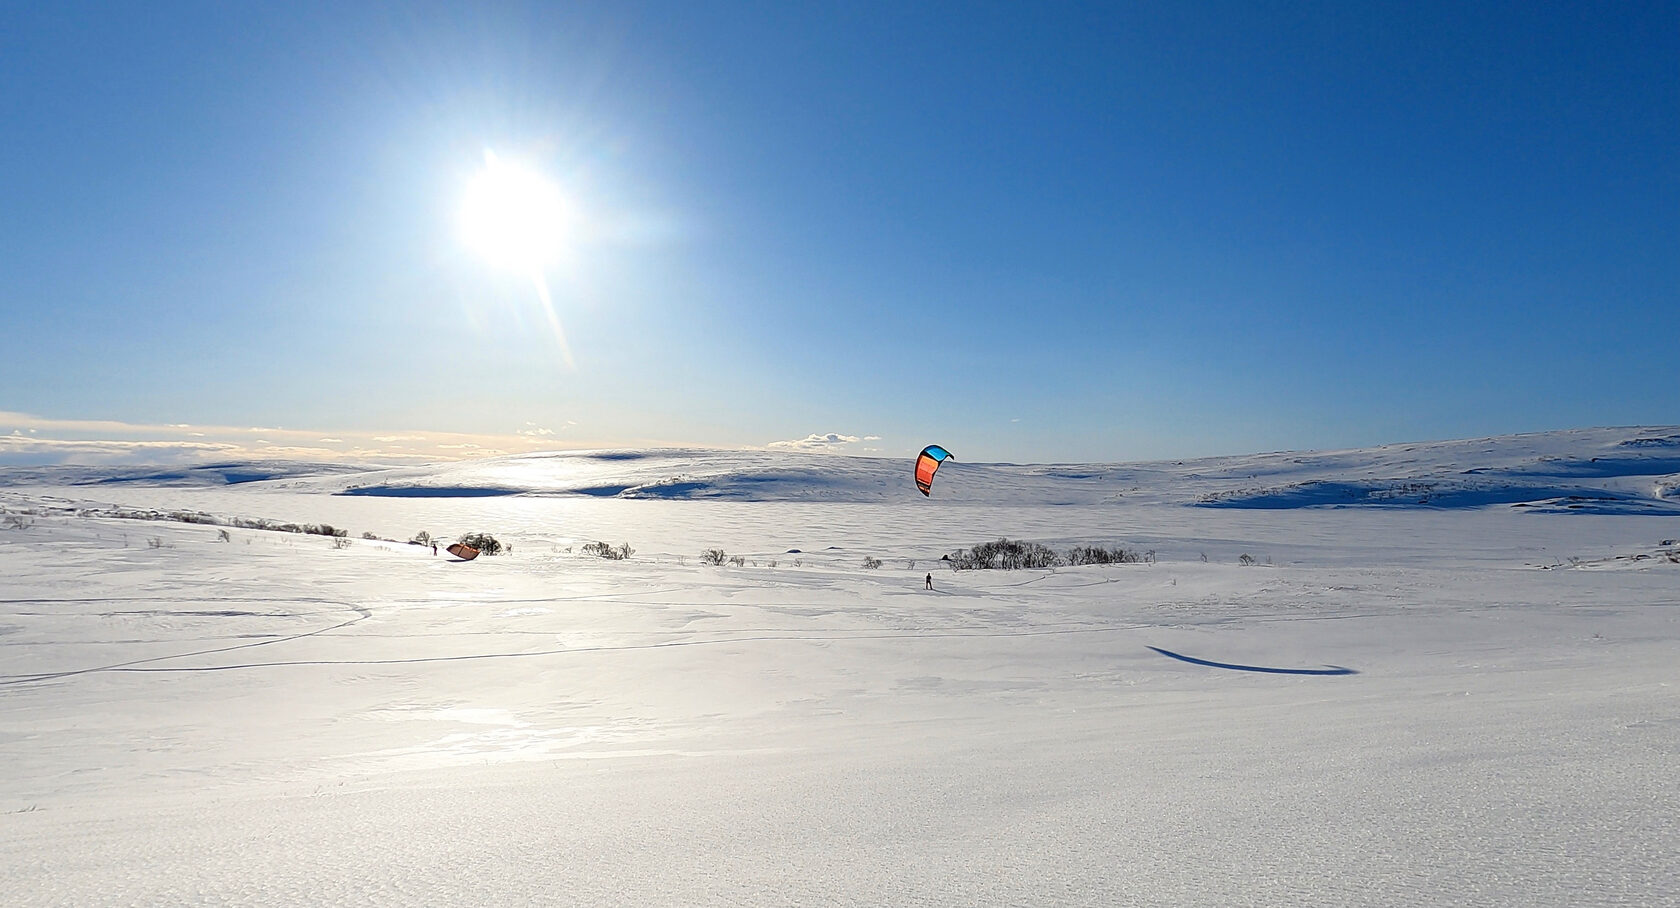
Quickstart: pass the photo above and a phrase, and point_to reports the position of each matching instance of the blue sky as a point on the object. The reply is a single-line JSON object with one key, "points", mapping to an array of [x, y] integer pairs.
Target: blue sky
{"points": [[1029, 232]]}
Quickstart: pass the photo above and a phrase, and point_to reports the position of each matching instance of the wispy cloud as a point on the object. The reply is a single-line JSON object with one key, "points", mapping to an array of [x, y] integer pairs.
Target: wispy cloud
{"points": [[832, 441], [24, 450], [26, 439], [535, 431]]}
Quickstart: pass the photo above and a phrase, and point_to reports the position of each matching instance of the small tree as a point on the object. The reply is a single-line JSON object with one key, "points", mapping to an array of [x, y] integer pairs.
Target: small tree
{"points": [[870, 562], [1246, 560], [421, 538], [713, 557]]}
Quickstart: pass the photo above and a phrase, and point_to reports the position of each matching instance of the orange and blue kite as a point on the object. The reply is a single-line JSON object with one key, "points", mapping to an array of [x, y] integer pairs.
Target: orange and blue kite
{"points": [[926, 463]]}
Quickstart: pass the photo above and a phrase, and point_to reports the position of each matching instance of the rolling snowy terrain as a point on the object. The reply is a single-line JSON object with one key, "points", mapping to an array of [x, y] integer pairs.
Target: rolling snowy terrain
{"points": [[1437, 673]]}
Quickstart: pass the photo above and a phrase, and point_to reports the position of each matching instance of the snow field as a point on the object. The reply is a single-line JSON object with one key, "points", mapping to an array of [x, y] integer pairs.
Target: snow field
{"points": [[272, 720]]}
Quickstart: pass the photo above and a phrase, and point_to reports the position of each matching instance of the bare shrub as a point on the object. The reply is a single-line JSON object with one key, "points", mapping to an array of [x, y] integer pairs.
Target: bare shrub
{"points": [[713, 557], [609, 552], [340, 542], [366, 535], [870, 562], [223, 536], [421, 538], [738, 560], [1246, 560]]}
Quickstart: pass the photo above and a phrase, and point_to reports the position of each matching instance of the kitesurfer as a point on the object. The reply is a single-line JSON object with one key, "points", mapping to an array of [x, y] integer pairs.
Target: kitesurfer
{"points": [[930, 581]]}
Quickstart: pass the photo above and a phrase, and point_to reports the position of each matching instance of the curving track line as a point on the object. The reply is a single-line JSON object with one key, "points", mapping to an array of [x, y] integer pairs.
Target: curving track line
{"points": [[1327, 670], [362, 614]]}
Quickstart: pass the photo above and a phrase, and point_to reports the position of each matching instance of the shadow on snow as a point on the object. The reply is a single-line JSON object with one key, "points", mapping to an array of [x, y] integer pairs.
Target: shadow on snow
{"points": [[1328, 670]]}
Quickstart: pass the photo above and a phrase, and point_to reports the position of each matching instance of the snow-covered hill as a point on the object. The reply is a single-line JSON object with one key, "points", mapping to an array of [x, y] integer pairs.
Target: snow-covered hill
{"points": [[1620, 471]]}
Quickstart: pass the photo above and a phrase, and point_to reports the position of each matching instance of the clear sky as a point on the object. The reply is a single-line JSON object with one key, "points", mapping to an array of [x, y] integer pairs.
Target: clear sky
{"points": [[1026, 231]]}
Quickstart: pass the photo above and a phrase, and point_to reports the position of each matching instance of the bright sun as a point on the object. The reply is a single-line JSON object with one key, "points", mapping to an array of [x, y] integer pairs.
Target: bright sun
{"points": [[514, 217]]}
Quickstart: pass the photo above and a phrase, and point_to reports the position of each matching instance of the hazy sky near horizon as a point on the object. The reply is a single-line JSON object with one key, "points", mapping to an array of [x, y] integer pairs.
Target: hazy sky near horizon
{"points": [[1029, 232]]}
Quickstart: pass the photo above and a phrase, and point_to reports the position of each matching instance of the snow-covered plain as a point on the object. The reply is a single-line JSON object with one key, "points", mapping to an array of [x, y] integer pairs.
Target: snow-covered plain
{"points": [[1492, 715]]}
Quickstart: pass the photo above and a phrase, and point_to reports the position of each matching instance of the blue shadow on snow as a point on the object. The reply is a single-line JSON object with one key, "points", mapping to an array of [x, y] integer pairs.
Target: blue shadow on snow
{"points": [[1328, 670]]}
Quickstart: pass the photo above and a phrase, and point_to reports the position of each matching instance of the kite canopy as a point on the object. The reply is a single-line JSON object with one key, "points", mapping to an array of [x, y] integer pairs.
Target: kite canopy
{"points": [[926, 463], [463, 551]]}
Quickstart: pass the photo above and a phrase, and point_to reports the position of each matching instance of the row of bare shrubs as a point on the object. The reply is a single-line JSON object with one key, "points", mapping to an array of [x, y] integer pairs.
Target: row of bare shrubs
{"points": [[1004, 554], [1013, 554], [199, 517], [484, 542]]}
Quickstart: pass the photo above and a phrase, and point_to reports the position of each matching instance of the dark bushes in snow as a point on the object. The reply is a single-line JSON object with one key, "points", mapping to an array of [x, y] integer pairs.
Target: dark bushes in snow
{"points": [[485, 543], [1094, 554], [1005, 554]]}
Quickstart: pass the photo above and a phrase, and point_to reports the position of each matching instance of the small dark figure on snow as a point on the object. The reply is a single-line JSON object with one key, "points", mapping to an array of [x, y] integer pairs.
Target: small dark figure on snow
{"points": [[930, 581], [434, 549]]}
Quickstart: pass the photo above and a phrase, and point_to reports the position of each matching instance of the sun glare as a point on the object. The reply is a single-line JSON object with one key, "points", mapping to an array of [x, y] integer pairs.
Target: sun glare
{"points": [[514, 217]]}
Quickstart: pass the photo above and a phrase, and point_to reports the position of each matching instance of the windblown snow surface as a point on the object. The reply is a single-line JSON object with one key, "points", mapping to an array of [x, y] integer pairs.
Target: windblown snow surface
{"points": [[1449, 675]]}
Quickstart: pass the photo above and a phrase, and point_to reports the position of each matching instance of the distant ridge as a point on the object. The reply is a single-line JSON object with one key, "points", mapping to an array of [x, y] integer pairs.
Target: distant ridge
{"points": [[1594, 471], [196, 475]]}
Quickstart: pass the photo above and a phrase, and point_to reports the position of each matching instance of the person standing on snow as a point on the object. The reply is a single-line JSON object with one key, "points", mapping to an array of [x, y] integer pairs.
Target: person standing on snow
{"points": [[930, 581]]}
